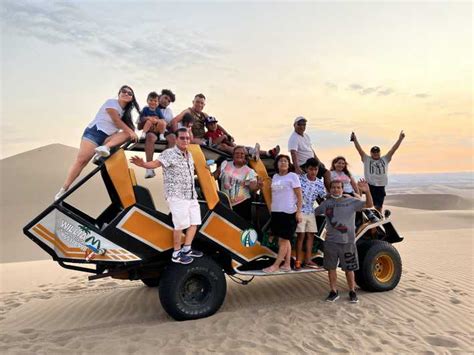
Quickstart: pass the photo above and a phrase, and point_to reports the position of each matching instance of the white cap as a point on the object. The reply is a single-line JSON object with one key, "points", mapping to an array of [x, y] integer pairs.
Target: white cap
{"points": [[299, 118]]}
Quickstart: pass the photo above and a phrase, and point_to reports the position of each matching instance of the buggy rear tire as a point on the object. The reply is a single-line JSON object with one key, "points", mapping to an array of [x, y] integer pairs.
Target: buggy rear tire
{"points": [[380, 266], [192, 291]]}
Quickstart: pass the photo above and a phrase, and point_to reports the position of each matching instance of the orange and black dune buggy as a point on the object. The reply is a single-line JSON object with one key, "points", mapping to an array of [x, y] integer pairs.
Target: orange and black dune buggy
{"points": [[131, 239]]}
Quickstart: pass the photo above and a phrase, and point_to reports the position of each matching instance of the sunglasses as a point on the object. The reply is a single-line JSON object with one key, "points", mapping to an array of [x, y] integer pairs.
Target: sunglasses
{"points": [[185, 138], [126, 92], [301, 124]]}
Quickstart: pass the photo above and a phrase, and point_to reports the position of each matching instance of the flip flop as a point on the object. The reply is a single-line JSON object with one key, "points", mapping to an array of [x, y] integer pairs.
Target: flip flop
{"points": [[284, 269], [267, 271]]}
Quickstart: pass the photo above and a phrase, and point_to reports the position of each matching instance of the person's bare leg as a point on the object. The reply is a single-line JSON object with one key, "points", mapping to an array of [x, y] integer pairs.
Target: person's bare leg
{"points": [[171, 139], [146, 126], [116, 139], [85, 154], [177, 239], [161, 126], [150, 146], [332, 275], [299, 248], [280, 257], [190, 233], [309, 248], [287, 264], [350, 280]]}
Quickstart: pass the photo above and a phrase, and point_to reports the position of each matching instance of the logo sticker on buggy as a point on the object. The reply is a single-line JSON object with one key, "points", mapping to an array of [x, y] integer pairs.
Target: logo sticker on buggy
{"points": [[248, 238]]}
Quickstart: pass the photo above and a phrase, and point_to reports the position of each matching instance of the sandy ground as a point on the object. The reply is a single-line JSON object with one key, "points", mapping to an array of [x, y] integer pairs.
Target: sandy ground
{"points": [[47, 309]]}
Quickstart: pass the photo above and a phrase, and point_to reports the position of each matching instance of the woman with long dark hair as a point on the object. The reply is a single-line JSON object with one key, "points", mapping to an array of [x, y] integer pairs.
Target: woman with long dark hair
{"points": [[340, 172], [111, 126]]}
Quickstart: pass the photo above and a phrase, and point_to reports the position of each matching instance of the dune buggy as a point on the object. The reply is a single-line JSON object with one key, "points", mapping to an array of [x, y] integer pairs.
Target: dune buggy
{"points": [[131, 239]]}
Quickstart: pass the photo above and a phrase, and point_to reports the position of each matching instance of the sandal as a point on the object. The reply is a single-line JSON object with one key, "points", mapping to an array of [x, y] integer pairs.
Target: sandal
{"points": [[285, 269], [268, 270]]}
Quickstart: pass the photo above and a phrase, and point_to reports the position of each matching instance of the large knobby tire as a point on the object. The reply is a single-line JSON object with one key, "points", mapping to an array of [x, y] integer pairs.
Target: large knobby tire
{"points": [[380, 266], [192, 291]]}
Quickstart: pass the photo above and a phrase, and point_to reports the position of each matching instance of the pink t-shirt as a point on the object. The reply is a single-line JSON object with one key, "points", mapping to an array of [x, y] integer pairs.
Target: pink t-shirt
{"points": [[235, 181], [346, 180]]}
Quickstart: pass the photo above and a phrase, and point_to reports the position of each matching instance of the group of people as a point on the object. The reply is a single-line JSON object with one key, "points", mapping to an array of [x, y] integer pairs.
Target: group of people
{"points": [[300, 180]]}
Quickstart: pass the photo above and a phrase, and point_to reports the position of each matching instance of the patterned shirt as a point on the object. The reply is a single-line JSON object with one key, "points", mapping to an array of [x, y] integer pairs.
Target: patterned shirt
{"points": [[178, 174], [311, 190], [235, 181]]}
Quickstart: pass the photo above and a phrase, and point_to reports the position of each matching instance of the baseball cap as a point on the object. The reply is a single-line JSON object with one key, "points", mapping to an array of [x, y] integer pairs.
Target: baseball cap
{"points": [[375, 149], [299, 118], [211, 119]]}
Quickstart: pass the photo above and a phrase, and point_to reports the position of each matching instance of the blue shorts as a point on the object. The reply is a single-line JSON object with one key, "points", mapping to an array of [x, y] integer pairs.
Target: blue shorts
{"points": [[94, 135]]}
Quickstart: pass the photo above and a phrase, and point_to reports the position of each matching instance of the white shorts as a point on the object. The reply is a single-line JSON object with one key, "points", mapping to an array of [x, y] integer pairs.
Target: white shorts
{"points": [[308, 224], [184, 213]]}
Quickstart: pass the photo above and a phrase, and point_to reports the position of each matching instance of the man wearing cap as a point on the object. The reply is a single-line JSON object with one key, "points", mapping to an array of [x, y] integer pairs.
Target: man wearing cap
{"points": [[301, 150], [376, 168]]}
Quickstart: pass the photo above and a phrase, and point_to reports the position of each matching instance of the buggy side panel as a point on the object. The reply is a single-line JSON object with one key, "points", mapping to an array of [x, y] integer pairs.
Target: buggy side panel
{"points": [[117, 169], [266, 189]]}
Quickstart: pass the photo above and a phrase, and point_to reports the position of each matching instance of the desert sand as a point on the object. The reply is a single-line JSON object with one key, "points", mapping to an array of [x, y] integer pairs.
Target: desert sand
{"points": [[48, 309]]}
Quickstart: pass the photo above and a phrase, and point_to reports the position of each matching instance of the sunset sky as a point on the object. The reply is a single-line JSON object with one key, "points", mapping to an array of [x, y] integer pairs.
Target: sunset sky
{"points": [[371, 67]]}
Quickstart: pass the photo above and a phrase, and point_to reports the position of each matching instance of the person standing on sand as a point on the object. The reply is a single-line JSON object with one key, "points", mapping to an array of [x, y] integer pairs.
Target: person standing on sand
{"points": [[376, 168], [300, 148], [178, 181], [339, 246]]}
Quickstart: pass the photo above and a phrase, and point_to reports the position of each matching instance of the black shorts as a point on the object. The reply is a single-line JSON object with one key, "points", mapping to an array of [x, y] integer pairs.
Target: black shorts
{"points": [[283, 225], [378, 195]]}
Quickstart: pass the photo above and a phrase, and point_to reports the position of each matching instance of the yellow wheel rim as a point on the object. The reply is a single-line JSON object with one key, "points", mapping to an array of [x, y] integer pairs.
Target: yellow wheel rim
{"points": [[384, 268]]}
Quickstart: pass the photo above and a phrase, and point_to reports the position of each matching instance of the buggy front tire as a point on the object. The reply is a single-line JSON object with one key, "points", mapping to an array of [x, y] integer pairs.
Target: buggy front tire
{"points": [[380, 266], [151, 281], [192, 291]]}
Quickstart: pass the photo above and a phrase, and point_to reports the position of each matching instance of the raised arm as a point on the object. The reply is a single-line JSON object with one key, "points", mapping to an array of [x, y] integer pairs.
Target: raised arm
{"points": [[174, 122], [114, 115], [364, 188], [357, 145], [396, 145], [147, 165]]}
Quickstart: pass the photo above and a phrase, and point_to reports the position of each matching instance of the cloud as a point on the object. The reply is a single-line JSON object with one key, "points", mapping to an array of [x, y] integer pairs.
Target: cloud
{"points": [[421, 96], [331, 86], [164, 46], [376, 90]]}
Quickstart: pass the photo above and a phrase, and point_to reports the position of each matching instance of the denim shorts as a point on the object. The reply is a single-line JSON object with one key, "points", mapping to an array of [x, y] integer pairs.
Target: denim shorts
{"points": [[95, 135]]}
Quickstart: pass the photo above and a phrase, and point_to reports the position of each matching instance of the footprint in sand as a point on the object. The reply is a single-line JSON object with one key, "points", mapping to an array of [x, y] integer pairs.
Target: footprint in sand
{"points": [[442, 341], [454, 300], [411, 289], [26, 331]]}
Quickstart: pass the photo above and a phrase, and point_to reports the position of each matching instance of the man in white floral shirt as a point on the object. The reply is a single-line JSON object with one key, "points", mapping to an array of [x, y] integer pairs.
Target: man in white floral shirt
{"points": [[178, 181]]}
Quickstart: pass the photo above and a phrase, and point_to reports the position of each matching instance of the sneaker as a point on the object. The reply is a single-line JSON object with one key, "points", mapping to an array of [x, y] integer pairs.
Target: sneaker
{"points": [[60, 193], [332, 297], [182, 259], [256, 153], [162, 137], [353, 297], [193, 253], [149, 173], [103, 151], [274, 152], [143, 136]]}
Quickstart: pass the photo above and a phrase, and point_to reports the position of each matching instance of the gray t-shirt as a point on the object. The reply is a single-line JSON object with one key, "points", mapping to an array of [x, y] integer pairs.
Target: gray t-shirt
{"points": [[340, 218], [375, 171]]}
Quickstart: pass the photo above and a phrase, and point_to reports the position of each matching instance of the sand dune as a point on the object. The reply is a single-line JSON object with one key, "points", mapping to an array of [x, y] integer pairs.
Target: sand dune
{"points": [[430, 201], [48, 309]]}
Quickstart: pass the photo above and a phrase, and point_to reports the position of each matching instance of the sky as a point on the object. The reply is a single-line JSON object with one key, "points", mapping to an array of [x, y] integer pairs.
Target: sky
{"points": [[375, 68]]}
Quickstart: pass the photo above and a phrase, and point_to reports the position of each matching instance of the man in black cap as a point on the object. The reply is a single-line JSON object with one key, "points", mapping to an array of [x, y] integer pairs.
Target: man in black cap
{"points": [[376, 168]]}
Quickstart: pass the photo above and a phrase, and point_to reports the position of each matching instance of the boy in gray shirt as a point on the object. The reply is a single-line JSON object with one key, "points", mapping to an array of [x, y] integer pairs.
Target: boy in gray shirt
{"points": [[339, 246]]}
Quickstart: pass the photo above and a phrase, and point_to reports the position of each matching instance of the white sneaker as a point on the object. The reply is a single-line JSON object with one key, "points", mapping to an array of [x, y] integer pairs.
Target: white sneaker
{"points": [[61, 192], [149, 173], [143, 136], [256, 155], [162, 137], [103, 151]]}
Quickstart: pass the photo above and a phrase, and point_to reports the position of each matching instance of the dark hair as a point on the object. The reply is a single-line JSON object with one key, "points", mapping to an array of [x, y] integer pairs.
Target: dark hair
{"points": [[312, 162], [336, 182], [291, 167], [182, 129], [127, 110], [335, 160], [187, 118], [169, 93], [152, 95], [201, 96]]}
